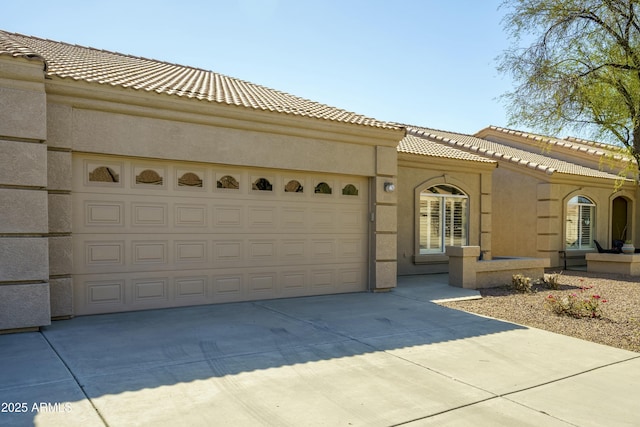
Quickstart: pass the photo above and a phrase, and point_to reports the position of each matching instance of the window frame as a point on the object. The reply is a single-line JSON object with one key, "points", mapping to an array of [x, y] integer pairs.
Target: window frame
{"points": [[444, 219], [575, 201]]}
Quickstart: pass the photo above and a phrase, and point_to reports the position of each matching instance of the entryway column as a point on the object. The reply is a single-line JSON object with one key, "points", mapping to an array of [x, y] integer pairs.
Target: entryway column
{"points": [[385, 233]]}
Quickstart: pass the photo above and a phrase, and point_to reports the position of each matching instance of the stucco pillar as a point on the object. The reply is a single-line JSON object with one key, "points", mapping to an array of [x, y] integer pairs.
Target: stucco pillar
{"points": [[549, 223], [462, 265], [59, 142], [24, 263], [485, 215], [385, 233]]}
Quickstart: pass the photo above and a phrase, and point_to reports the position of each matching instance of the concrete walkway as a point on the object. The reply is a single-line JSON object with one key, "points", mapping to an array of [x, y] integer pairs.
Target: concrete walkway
{"points": [[344, 360]]}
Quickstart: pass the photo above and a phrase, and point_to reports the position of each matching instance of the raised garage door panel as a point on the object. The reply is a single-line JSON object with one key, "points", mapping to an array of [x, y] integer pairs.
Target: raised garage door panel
{"points": [[165, 234]]}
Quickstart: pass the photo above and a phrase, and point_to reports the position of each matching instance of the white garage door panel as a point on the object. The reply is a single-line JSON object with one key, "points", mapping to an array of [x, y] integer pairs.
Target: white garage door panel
{"points": [[152, 213], [106, 293], [162, 245], [106, 253]]}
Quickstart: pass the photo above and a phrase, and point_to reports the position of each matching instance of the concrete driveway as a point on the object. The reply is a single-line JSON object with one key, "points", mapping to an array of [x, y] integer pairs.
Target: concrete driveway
{"points": [[345, 360]]}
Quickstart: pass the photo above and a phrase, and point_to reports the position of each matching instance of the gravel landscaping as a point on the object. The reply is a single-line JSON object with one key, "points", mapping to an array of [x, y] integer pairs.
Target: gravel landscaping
{"points": [[617, 298]]}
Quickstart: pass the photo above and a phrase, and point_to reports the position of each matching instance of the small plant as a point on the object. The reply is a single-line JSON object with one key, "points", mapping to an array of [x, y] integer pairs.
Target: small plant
{"points": [[521, 283], [551, 281], [576, 305]]}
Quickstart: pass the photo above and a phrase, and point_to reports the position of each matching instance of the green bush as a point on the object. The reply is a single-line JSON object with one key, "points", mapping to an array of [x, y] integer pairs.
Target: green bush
{"points": [[576, 304]]}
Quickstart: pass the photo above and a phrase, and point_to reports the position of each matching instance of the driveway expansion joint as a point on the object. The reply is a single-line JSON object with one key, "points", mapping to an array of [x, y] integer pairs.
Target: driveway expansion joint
{"points": [[75, 378]]}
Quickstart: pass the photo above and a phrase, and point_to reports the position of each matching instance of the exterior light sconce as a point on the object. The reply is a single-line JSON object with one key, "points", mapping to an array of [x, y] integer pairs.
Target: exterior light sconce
{"points": [[389, 187]]}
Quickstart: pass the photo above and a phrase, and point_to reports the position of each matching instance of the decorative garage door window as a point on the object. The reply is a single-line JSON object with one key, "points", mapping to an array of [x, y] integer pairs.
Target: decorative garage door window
{"points": [[262, 184], [350, 190], [323, 188], [228, 182], [293, 186], [580, 223], [443, 219], [190, 179], [104, 174], [149, 176]]}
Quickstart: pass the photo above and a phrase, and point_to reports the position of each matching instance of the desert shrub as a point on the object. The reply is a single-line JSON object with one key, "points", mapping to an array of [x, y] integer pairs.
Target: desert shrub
{"points": [[551, 281], [576, 304], [521, 283]]}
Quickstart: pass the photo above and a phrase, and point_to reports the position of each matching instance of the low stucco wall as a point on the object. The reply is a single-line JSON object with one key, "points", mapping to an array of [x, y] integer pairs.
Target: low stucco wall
{"points": [[500, 271], [613, 263], [466, 271]]}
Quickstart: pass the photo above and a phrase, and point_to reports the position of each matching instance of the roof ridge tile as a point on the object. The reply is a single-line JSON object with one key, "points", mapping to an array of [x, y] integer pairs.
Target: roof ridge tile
{"points": [[569, 142], [507, 153]]}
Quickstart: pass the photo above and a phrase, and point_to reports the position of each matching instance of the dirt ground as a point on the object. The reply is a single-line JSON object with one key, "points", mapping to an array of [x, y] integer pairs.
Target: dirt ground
{"points": [[617, 298]]}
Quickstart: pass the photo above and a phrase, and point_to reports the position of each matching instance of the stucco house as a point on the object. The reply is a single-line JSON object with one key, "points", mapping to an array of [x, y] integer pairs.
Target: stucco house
{"points": [[544, 197], [592, 193], [128, 183], [444, 199]]}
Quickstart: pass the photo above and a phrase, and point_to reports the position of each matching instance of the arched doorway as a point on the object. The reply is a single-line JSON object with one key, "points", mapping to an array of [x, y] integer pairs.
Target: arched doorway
{"points": [[619, 214]]}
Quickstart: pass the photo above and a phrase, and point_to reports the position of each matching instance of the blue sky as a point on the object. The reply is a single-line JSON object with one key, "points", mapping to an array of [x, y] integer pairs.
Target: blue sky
{"points": [[423, 62]]}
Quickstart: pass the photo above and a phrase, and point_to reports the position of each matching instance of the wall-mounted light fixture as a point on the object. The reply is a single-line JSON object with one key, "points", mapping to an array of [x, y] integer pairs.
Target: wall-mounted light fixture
{"points": [[389, 187]]}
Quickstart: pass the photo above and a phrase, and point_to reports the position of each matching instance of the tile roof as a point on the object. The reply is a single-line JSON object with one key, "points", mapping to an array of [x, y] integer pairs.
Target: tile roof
{"points": [[607, 147], [91, 65], [572, 143], [411, 144], [494, 150]]}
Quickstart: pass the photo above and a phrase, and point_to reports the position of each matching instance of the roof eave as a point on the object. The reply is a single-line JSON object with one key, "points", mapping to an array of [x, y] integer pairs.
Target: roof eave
{"points": [[117, 99]]}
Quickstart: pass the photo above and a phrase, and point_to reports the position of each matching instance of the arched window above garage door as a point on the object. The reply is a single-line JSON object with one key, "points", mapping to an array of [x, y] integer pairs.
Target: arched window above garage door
{"points": [[350, 190], [323, 188], [228, 182], [190, 179], [103, 174], [293, 186], [262, 184]]}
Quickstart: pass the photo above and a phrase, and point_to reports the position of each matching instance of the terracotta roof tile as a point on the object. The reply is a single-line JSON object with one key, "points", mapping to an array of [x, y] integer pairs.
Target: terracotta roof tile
{"points": [[110, 68], [572, 143], [620, 152], [507, 153], [411, 144]]}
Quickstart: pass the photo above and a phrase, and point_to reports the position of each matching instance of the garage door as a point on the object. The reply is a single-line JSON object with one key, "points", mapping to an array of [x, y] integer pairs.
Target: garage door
{"points": [[166, 234]]}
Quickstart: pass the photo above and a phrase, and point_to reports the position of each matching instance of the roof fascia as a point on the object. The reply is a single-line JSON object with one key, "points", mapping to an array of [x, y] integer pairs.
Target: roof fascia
{"points": [[81, 94], [564, 178], [433, 162], [590, 182], [493, 155], [22, 68], [594, 156]]}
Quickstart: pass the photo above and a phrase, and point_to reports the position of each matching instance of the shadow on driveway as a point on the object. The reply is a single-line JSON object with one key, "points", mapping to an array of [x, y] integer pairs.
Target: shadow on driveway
{"points": [[112, 354]]}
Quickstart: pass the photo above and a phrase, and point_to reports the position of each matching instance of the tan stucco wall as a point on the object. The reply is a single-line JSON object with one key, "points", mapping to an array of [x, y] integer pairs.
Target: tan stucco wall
{"points": [[59, 172], [97, 119], [385, 224], [415, 172], [24, 267], [602, 194], [109, 133], [43, 121], [530, 209], [468, 272], [514, 213], [113, 121]]}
